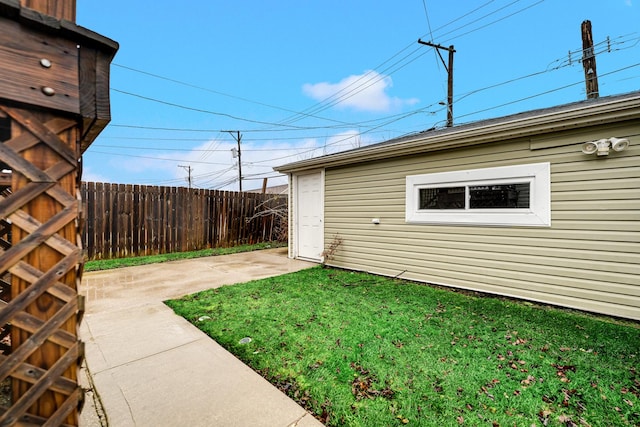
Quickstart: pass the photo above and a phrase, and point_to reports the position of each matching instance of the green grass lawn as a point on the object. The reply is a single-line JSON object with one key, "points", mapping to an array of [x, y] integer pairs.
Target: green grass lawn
{"points": [[107, 264], [362, 350]]}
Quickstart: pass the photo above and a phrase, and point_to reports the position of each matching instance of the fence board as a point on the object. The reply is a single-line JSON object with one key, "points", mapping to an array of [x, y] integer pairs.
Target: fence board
{"points": [[130, 220]]}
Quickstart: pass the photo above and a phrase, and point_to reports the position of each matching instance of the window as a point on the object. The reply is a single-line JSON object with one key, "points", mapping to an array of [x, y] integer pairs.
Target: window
{"points": [[503, 196]]}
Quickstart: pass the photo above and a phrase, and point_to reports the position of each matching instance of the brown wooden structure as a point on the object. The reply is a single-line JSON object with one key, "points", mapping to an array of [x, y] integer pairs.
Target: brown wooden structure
{"points": [[135, 220], [54, 101]]}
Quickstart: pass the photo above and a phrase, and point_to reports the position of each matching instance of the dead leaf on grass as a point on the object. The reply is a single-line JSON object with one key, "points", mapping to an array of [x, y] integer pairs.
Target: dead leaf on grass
{"points": [[567, 421]]}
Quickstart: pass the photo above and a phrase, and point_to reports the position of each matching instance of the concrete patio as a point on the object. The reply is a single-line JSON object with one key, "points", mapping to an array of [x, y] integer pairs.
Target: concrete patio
{"points": [[145, 366]]}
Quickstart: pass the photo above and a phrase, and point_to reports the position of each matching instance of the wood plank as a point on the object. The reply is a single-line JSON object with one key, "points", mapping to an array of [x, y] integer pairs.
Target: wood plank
{"points": [[87, 62], [172, 221], [113, 221], [135, 220], [30, 420], [120, 215], [8, 205], [61, 9], [27, 140], [162, 223], [180, 220], [18, 77], [44, 232], [94, 66], [41, 131], [153, 219], [98, 219], [146, 218], [31, 324], [36, 340], [68, 407], [29, 273], [18, 163], [89, 228], [44, 282], [30, 373], [42, 385], [128, 211], [215, 221]]}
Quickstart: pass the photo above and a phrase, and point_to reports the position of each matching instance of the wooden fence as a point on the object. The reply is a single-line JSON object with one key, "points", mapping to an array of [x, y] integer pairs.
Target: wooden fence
{"points": [[134, 220]]}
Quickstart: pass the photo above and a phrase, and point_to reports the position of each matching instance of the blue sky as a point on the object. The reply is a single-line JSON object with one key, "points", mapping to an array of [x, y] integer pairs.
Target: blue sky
{"points": [[304, 78]]}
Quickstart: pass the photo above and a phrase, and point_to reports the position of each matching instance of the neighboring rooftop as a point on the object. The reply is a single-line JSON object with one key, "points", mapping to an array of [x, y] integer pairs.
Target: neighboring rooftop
{"points": [[276, 189]]}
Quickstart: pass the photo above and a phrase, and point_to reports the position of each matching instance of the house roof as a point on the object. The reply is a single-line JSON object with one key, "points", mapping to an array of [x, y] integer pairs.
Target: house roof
{"points": [[536, 122]]}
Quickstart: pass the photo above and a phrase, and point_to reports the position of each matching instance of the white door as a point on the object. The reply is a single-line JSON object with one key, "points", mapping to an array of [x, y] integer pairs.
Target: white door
{"points": [[309, 217]]}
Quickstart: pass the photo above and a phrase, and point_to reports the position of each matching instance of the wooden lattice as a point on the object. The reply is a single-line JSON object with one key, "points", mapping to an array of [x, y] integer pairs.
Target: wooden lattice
{"points": [[42, 306]]}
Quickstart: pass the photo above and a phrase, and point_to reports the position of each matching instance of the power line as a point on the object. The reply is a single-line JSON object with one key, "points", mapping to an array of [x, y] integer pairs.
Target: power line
{"points": [[614, 43], [545, 92], [372, 78], [492, 22], [204, 150], [154, 158], [200, 110], [216, 140], [327, 102], [562, 63], [298, 115], [333, 99], [482, 6], [222, 93], [336, 98]]}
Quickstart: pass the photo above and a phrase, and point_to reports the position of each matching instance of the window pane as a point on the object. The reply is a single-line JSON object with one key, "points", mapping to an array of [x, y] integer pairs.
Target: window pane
{"points": [[442, 198], [499, 196]]}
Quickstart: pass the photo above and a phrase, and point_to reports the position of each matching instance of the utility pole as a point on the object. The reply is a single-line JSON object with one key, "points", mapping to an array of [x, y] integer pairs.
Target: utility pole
{"points": [[237, 153], [449, 69], [188, 169], [589, 61]]}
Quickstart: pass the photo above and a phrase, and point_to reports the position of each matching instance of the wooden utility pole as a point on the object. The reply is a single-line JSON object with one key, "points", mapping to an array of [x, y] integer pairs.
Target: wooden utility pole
{"points": [[237, 153], [449, 68], [188, 169], [54, 101], [589, 61]]}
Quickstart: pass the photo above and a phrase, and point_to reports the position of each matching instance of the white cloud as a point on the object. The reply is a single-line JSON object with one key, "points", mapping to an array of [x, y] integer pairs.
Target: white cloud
{"points": [[212, 163], [258, 159], [364, 92], [89, 176]]}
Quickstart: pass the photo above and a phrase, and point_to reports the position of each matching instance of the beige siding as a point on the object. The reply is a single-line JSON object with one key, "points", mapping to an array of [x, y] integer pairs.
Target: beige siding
{"points": [[589, 258]]}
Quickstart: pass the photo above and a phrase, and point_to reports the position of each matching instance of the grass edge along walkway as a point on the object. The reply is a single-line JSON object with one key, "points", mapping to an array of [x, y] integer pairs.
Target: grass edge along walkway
{"points": [[362, 350], [108, 264]]}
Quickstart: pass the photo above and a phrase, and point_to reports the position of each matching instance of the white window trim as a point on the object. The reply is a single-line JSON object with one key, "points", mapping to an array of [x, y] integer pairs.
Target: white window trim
{"points": [[537, 215]]}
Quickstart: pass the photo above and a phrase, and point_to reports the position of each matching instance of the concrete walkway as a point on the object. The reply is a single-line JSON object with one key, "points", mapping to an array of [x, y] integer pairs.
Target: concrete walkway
{"points": [[145, 366]]}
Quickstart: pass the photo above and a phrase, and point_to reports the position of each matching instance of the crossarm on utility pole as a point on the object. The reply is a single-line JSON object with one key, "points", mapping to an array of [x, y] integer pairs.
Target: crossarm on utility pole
{"points": [[238, 137], [449, 68]]}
